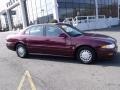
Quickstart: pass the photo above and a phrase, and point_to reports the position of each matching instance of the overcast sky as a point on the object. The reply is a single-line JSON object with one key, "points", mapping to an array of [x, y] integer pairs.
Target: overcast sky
{"points": [[3, 4]]}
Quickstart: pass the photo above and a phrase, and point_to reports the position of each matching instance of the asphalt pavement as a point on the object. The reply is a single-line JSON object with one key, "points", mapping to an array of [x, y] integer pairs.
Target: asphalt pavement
{"points": [[57, 73]]}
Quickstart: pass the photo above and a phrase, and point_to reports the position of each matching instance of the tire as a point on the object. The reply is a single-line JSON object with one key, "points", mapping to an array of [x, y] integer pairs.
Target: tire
{"points": [[21, 51], [86, 55]]}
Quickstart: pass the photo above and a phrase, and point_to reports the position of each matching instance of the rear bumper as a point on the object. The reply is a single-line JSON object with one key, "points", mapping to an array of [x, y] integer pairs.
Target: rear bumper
{"points": [[10, 46]]}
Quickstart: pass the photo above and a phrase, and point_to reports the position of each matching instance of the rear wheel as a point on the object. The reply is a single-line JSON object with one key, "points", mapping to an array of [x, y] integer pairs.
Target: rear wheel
{"points": [[86, 55], [21, 50]]}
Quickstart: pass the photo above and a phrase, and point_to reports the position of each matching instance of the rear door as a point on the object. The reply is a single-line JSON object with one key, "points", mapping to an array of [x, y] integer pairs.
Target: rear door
{"points": [[36, 40]]}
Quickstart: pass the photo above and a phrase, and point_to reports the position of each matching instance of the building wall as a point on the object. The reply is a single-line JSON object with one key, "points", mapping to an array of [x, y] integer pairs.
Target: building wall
{"points": [[16, 19], [3, 22], [39, 11], [0, 25]]}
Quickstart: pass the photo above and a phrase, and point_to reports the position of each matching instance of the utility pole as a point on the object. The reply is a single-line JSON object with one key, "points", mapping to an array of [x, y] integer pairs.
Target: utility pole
{"points": [[55, 10], [23, 12], [118, 9], [96, 6], [9, 20]]}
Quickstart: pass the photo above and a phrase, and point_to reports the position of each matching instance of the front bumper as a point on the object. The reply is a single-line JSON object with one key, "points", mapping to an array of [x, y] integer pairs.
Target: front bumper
{"points": [[107, 53]]}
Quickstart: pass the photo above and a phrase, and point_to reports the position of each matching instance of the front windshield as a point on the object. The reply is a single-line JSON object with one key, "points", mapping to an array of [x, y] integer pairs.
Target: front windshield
{"points": [[70, 30]]}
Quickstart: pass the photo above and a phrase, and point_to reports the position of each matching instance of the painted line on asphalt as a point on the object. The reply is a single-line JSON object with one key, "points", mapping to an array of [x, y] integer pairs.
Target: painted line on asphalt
{"points": [[28, 76]]}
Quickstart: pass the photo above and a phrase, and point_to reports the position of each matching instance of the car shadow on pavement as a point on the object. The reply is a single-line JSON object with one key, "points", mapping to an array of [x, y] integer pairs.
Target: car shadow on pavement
{"points": [[102, 62], [53, 58], [110, 62]]}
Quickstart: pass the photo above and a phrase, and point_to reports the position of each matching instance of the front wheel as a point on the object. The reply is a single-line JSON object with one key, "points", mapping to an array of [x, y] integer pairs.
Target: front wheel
{"points": [[21, 50], [86, 55]]}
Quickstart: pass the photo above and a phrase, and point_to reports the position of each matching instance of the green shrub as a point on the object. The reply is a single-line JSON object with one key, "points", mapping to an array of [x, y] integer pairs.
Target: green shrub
{"points": [[53, 21]]}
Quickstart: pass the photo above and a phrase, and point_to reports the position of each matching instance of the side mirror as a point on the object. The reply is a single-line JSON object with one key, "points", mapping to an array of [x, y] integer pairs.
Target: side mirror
{"points": [[63, 35]]}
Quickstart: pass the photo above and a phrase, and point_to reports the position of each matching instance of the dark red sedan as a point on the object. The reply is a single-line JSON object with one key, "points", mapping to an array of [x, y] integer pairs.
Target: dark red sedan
{"points": [[62, 40]]}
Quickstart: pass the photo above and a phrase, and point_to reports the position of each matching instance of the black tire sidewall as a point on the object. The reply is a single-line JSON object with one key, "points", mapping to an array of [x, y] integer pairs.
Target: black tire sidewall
{"points": [[92, 52], [21, 45]]}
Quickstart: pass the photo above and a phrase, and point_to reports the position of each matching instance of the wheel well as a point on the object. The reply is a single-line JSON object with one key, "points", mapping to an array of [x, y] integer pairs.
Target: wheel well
{"points": [[17, 44], [84, 46]]}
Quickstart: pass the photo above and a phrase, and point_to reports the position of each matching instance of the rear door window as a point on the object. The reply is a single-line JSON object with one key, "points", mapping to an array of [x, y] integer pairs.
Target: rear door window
{"points": [[36, 31]]}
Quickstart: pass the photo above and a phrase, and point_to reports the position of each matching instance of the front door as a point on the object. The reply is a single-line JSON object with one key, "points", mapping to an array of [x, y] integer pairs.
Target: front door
{"points": [[55, 44]]}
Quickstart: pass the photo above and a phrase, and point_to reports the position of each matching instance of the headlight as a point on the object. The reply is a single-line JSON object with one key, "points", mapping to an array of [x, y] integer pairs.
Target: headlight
{"points": [[108, 46]]}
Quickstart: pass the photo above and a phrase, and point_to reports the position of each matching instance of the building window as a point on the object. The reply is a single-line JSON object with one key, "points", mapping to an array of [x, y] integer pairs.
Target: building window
{"points": [[109, 8], [73, 8]]}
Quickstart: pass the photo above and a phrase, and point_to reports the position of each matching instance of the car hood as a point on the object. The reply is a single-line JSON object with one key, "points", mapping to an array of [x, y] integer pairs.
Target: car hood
{"points": [[96, 37], [99, 37]]}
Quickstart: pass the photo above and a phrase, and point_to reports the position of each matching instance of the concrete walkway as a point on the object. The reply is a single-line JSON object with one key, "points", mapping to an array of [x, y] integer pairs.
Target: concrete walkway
{"points": [[116, 28]]}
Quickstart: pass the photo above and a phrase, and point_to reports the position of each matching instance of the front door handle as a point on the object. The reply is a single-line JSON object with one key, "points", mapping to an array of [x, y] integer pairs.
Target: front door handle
{"points": [[47, 40]]}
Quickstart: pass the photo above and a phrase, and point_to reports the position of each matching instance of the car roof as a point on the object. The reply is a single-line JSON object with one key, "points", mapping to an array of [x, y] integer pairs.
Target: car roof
{"points": [[49, 24], [52, 24]]}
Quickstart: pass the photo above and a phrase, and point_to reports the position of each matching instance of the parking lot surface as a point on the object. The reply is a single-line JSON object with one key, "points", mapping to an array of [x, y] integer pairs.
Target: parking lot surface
{"points": [[57, 73]]}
